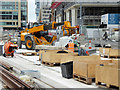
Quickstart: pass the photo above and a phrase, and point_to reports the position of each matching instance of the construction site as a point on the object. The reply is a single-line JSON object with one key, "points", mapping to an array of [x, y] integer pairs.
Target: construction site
{"points": [[71, 45]]}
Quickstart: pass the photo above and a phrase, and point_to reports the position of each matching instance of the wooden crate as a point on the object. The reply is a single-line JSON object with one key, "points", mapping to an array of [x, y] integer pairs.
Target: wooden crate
{"points": [[109, 52], [85, 65], [116, 63], [84, 69], [68, 57], [114, 53], [104, 51], [53, 57], [93, 58], [108, 74], [43, 51], [54, 51]]}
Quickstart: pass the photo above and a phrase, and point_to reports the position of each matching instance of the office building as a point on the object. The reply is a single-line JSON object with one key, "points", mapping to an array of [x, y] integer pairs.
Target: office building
{"points": [[43, 10], [13, 14]]}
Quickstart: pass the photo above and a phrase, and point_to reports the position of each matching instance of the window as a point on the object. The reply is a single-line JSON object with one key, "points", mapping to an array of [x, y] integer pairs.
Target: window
{"points": [[8, 23], [15, 16], [16, 7], [7, 17], [13, 23], [23, 18], [15, 13], [3, 12], [44, 11], [23, 13], [23, 24]]}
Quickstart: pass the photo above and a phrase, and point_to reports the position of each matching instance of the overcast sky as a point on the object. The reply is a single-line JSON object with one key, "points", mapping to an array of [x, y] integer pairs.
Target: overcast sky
{"points": [[31, 11]]}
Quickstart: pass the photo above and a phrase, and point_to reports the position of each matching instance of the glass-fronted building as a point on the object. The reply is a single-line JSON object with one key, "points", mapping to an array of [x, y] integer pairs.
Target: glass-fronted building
{"points": [[13, 14]]}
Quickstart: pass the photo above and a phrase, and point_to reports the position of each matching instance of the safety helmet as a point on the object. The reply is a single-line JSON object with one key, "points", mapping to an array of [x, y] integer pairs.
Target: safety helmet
{"points": [[70, 40]]}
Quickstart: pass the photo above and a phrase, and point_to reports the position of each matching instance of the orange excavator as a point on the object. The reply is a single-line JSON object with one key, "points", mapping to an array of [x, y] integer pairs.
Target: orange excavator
{"points": [[9, 49]]}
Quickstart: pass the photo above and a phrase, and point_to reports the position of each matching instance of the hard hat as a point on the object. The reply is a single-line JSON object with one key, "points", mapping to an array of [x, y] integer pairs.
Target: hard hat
{"points": [[70, 40]]}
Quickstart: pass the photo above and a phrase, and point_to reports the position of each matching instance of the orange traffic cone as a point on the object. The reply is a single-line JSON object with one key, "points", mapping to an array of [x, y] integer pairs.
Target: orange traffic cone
{"points": [[90, 46]]}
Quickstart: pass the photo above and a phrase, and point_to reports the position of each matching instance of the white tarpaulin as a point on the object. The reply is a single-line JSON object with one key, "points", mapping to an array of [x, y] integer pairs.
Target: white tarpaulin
{"points": [[63, 41]]}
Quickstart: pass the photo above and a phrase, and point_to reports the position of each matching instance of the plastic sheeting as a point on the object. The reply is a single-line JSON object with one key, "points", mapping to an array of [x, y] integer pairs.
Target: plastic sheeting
{"points": [[63, 41]]}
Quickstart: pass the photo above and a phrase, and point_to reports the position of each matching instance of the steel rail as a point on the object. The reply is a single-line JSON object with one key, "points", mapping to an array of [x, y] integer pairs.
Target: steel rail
{"points": [[12, 81], [7, 66], [9, 81]]}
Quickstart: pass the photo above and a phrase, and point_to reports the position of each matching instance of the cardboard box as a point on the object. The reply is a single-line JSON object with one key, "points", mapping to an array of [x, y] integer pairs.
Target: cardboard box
{"points": [[108, 74], [85, 65]]}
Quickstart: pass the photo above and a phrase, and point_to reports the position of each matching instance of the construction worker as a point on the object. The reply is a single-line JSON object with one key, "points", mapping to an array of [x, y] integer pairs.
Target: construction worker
{"points": [[71, 45], [105, 36]]}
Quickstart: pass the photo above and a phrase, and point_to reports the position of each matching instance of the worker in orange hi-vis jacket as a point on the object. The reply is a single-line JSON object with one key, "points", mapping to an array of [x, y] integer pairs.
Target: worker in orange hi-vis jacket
{"points": [[71, 45]]}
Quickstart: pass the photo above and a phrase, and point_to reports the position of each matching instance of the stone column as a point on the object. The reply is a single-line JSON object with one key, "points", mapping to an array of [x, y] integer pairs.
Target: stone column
{"points": [[67, 15], [73, 16]]}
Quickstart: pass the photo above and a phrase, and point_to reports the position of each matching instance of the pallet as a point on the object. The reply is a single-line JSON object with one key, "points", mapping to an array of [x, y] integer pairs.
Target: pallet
{"points": [[51, 64], [107, 86], [83, 79], [30, 54]]}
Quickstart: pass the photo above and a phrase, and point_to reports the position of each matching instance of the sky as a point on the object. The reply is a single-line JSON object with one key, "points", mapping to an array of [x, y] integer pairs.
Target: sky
{"points": [[31, 11]]}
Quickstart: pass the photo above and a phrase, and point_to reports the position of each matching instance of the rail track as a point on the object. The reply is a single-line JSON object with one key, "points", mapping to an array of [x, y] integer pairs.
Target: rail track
{"points": [[35, 85], [6, 65], [12, 81]]}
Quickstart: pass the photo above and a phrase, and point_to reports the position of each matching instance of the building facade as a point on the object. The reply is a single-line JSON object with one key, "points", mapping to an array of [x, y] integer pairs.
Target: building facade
{"points": [[13, 14], [43, 10], [45, 14], [85, 12], [37, 9]]}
